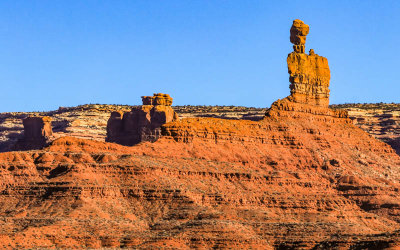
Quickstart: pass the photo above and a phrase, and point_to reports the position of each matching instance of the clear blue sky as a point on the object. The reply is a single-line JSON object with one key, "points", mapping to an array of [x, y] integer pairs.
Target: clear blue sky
{"points": [[65, 53]]}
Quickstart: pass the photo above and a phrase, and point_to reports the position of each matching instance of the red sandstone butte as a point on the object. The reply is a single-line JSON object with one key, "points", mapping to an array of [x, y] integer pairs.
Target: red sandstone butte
{"points": [[304, 177], [142, 123]]}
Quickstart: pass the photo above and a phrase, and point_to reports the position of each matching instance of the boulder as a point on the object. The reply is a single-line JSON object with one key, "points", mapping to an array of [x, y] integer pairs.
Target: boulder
{"points": [[298, 35]]}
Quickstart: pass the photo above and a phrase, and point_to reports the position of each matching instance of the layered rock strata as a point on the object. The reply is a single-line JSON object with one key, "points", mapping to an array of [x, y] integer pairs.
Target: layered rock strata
{"points": [[141, 123], [37, 132], [305, 185], [90, 121]]}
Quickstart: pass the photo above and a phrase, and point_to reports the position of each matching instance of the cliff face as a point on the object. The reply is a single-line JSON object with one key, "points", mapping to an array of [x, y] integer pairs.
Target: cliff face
{"points": [[85, 121], [309, 77], [382, 121]]}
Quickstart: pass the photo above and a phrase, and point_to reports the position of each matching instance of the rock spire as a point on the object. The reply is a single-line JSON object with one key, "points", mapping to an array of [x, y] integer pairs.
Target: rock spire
{"points": [[309, 74]]}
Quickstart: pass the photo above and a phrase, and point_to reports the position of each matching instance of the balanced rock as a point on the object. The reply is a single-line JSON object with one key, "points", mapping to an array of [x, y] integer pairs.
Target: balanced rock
{"points": [[298, 35], [37, 132], [142, 123], [309, 74]]}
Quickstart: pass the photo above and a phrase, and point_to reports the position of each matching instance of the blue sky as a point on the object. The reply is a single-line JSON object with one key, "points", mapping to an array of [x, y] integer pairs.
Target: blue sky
{"points": [[65, 53]]}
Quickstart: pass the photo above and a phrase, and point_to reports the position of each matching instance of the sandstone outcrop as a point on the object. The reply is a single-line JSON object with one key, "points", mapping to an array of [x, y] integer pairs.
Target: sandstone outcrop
{"points": [[142, 123], [309, 74], [37, 132], [298, 35], [157, 99]]}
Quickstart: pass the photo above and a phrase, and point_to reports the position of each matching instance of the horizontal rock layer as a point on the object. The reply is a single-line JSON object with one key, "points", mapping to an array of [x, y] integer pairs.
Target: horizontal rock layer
{"points": [[309, 78]]}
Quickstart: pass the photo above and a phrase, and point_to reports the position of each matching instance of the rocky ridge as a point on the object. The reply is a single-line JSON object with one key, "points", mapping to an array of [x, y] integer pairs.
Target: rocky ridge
{"points": [[90, 121], [381, 120]]}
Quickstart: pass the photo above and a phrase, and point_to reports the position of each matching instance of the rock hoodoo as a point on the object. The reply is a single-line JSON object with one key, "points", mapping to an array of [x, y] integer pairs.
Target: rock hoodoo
{"points": [[141, 123], [309, 74], [37, 132]]}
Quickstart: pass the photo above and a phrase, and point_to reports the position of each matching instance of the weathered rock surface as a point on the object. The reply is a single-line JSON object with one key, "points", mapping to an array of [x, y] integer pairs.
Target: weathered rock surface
{"points": [[85, 121], [309, 74], [298, 35], [37, 133], [142, 123], [37, 127], [89, 121], [158, 99]]}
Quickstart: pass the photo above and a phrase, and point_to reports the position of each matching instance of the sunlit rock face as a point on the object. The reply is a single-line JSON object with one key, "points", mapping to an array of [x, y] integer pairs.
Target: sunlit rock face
{"points": [[309, 74]]}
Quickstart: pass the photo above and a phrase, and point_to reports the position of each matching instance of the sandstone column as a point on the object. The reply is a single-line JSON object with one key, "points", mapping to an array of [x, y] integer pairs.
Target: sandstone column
{"points": [[309, 74]]}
